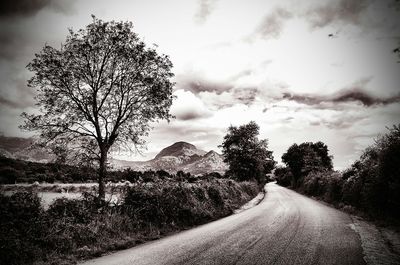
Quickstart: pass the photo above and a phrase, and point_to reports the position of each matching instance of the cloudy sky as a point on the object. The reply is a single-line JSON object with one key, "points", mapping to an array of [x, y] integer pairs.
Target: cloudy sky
{"points": [[303, 70]]}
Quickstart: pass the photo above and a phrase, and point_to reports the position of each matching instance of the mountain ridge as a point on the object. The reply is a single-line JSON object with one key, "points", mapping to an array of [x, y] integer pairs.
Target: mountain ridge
{"points": [[180, 155]]}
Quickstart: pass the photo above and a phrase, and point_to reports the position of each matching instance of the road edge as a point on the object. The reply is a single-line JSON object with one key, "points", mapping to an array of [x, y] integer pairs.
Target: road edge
{"points": [[253, 202], [375, 246]]}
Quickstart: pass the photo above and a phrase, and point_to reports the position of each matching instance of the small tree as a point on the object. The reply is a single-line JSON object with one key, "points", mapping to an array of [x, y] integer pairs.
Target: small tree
{"points": [[101, 89], [247, 156], [305, 158]]}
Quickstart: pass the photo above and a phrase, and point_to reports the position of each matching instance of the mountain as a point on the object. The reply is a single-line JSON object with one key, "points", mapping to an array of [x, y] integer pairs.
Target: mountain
{"points": [[210, 162], [21, 148], [180, 149], [178, 156]]}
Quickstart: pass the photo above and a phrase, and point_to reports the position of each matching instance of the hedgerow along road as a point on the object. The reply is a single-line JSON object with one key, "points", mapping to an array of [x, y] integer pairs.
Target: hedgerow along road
{"points": [[284, 228]]}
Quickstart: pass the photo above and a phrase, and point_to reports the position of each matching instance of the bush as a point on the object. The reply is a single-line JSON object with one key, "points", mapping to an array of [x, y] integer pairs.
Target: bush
{"points": [[373, 182], [81, 228], [283, 176], [75, 211], [186, 204], [23, 230], [9, 175]]}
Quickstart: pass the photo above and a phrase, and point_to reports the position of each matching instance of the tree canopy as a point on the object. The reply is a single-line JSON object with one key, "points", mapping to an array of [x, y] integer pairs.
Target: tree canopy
{"points": [[247, 156], [102, 88], [307, 157]]}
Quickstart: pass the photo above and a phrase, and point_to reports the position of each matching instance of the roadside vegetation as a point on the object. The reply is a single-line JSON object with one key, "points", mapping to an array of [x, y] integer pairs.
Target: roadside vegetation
{"points": [[70, 230], [370, 186], [150, 204]]}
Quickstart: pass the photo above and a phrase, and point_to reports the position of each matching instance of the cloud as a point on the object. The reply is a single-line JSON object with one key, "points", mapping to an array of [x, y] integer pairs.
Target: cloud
{"points": [[346, 11], [204, 11], [339, 121], [209, 86], [8, 103], [19, 38], [363, 97], [354, 93], [272, 24], [194, 83], [245, 95], [188, 107], [31, 7]]}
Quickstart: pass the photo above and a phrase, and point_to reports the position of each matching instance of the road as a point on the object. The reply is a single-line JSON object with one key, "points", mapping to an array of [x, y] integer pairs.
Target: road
{"points": [[285, 228]]}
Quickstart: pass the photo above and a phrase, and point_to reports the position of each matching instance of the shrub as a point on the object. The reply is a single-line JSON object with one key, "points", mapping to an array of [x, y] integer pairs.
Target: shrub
{"points": [[77, 211], [81, 228], [283, 176], [23, 230], [9, 175]]}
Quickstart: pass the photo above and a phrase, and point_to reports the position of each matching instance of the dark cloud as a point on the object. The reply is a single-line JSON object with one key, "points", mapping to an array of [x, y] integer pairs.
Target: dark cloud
{"points": [[194, 112], [272, 24], [205, 9], [31, 7], [194, 82], [354, 95], [9, 103], [364, 98], [17, 33], [196, 85], [191, 115], [315, 123], [347, 11]]}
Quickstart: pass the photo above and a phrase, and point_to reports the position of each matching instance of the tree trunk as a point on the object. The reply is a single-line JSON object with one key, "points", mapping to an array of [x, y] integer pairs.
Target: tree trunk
{"points": [[102, 173]]}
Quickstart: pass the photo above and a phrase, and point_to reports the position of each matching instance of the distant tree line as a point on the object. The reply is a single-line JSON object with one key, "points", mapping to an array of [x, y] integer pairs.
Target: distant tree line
{"points": [[370, 185], [14, 171], [19, 171]]}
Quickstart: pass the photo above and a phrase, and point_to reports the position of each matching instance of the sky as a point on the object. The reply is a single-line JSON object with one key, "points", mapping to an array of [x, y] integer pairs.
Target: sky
{"points": [[302, 70]]}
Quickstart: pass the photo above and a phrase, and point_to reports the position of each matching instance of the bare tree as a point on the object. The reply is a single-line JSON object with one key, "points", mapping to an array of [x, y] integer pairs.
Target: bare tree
{"points": [[102, 88]]}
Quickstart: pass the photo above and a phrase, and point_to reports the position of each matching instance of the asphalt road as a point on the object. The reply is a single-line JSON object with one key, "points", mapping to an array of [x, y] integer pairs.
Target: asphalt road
{"points": [[285, 228]]}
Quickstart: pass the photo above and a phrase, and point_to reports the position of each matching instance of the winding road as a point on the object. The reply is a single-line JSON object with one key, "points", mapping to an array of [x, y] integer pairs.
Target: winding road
{"points": [[285, 228]]}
